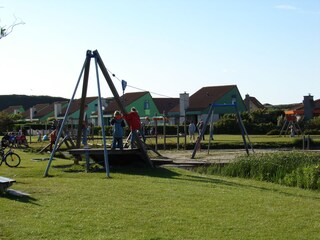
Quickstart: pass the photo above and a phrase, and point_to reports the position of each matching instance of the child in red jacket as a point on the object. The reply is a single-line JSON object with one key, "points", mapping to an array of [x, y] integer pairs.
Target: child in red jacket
{"points": [[133, 119]]}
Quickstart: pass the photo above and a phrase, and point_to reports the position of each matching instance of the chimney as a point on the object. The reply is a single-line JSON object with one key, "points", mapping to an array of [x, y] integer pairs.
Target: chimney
{"points": [[57, 109], [247, 102], [184, 104], [308, 104], [33, 111]]}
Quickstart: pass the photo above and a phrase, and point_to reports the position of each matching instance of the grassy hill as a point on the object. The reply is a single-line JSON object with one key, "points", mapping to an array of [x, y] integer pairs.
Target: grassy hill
{"points": [[25, 101]]}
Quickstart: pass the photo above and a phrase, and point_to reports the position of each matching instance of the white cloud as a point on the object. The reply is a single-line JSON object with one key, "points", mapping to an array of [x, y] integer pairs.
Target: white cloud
{"points": [[286, 7]]}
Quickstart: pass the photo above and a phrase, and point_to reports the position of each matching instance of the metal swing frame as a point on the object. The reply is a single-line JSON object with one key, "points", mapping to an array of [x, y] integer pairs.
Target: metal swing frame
{"points": [[245, 136], [85, 72]]}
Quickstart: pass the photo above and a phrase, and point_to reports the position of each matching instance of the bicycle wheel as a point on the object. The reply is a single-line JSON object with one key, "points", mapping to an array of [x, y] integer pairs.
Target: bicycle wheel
{"points": [[12, 159]]}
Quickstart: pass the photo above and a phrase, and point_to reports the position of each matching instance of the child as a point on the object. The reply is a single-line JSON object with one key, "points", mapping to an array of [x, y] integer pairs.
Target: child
{"points": [[53, 138], [198, 144], [133, 120], [192, 130], [118, 124]]}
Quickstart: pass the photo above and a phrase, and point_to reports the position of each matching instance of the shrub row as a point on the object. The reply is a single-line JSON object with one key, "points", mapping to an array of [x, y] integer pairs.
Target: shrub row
{"points": [[298, 169]]}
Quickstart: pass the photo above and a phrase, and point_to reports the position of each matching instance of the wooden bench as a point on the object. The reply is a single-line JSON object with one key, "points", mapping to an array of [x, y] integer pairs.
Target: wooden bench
{"points": [[5, 183]]}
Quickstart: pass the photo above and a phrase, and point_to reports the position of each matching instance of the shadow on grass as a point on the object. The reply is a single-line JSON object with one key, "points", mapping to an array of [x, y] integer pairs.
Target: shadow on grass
{"points": [[158, 172], [161, 172], [167, 173], [131, 169], [213, 180], [71, 168], [19, 197]]}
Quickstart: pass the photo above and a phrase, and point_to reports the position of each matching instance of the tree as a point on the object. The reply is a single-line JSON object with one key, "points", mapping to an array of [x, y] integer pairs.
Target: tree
{"points": [[5, 31], [6, 122]]}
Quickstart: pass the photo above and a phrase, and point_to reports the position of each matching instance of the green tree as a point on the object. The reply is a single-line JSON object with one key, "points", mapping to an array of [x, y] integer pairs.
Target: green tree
{"points": [[6, 122]]}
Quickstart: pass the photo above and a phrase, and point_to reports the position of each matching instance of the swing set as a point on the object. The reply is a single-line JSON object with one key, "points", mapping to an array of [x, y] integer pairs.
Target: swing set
{"points": [[291, 122], [244, 134], [86, 150]]}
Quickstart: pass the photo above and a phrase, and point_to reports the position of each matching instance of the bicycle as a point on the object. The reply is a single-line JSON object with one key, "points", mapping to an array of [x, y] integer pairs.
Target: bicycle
{"points": [[10, 158]]}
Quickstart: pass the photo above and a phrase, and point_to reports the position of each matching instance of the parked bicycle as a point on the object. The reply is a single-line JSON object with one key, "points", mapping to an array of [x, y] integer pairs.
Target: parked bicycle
{"points": [[10, 158]]}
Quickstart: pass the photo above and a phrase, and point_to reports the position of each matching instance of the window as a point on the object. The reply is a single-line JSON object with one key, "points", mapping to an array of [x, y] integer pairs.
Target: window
{"points": [[146, 105], [233, 99]]}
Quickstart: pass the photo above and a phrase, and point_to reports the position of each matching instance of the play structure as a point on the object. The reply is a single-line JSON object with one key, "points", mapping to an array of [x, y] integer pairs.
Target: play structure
{"points": [[65, 138], [291, 123], [96, 154], [245, 136]]}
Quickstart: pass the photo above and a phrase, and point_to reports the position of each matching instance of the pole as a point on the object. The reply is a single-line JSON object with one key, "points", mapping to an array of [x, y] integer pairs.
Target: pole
{"points": [[156, 133], [105, 153], [164, 131], [185, 132], [83, 98], [46, 173], [242, 129], [178, 138], [202, 132], [211, 132]]}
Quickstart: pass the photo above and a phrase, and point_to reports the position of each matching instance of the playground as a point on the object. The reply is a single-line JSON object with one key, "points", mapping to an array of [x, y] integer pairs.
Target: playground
{"points": [[81, 189], [79, 146]]}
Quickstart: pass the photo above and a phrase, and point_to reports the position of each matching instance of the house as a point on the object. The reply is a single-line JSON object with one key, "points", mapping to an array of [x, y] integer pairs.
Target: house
{"points": [[252, 103], [142, 101], [14, 109], [193, 108], [91, 107], [308, 109], [57, 110], [164, 106], [37, 112], [196, 107]]}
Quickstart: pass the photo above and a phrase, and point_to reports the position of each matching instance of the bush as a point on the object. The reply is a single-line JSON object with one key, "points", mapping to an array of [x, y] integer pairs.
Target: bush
{"points": [[304, 177], [292, 169], [274, 132], [312, 132]]}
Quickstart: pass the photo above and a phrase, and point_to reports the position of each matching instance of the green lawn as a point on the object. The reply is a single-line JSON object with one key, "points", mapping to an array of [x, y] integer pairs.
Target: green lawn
{"points": [[163, 203]]}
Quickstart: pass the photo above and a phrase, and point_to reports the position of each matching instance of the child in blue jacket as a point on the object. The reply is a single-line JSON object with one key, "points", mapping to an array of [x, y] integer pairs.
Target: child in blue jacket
{"points": [[118, 124]]}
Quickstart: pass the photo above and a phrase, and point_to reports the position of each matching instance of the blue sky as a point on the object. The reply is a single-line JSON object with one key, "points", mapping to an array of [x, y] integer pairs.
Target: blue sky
{"points": [[270, 49]]}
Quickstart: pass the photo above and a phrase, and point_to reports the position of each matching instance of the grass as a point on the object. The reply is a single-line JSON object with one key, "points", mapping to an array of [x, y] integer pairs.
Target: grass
{"points": [[163, 203]]}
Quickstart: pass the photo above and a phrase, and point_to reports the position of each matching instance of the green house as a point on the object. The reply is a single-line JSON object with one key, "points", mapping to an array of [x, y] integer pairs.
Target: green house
{"points": [[91, 106], [14, 109], [142, 101], [197, 106]]}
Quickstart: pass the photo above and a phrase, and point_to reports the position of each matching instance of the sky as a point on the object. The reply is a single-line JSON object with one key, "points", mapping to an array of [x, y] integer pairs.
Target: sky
{"points": [[270, 49]]}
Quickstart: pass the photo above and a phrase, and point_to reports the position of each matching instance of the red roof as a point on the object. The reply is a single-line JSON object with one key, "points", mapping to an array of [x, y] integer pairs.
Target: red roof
{"points": [[166, 104], [75, 105], [11, 109], [208, 95], [299, 109], [126, 99]]}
